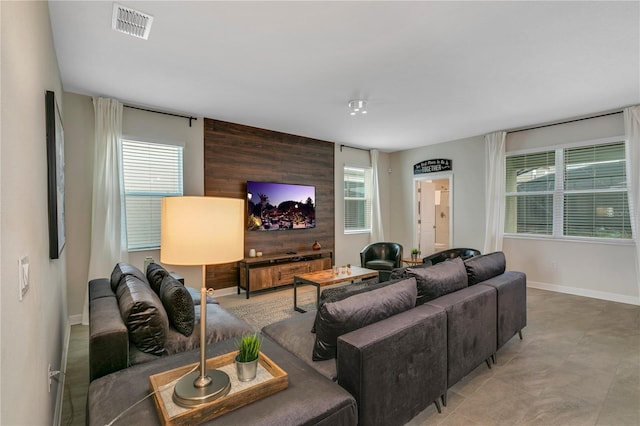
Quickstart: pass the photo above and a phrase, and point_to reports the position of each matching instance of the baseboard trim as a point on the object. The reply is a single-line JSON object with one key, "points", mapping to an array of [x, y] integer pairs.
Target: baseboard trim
{"points": [[75, 319], [62, 378], [594, 294], [227, 291]]}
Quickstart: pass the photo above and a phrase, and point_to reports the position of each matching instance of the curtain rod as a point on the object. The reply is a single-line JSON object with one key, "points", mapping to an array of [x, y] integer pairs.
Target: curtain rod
{"points": [[164, 113], [565, 122], [353, 147]]}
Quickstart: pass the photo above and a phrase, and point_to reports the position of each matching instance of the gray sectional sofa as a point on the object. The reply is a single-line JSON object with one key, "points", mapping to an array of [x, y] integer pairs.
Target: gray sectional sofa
{"points": [[396, 364], [375, 353]]}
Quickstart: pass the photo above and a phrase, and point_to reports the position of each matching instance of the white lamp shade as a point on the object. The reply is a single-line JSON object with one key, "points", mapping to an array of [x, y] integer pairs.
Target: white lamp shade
{"points": [[201, 230]]}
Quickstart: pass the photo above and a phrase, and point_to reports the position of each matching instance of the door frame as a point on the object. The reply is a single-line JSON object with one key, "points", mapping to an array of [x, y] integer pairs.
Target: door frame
{"points": [[414, 225]]}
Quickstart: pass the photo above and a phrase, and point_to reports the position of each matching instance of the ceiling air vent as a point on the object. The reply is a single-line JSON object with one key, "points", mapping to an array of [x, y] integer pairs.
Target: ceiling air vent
{"points": [[131, 21]]}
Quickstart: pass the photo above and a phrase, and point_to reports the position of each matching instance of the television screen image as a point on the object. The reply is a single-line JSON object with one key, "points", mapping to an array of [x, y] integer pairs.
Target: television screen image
{"points": [[280, 206]]}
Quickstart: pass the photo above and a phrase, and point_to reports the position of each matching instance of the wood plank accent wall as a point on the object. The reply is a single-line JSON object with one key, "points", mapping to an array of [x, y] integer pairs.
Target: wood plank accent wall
{"points": [[235, 154]]}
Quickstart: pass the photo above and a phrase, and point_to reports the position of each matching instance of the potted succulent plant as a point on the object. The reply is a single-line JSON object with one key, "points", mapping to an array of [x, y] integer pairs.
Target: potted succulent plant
{"points": [[415, 253], [247, 358]]}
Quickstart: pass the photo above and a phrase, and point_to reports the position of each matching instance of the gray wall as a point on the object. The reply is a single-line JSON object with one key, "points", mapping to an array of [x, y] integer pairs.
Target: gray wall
{"points": [[593, 269], [34, 331], [348, 246], [138, 125], [467, 206]]}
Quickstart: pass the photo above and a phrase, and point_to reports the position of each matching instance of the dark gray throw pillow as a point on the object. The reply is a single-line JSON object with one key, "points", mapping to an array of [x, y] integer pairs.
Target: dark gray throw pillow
{"points": [[143, 314], [486, 266], [439, 279], [178, 303], [358, 310], [155, 275], [338, 293], [123, 269]]}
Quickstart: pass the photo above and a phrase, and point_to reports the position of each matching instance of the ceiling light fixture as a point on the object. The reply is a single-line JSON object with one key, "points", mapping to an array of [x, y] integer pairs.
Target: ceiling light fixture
{"points": [[130, 21], [357, 106]]}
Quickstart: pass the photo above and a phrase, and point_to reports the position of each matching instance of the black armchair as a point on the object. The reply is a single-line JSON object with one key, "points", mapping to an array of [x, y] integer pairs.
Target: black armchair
{"points": [[464, 253], [381, 256]]}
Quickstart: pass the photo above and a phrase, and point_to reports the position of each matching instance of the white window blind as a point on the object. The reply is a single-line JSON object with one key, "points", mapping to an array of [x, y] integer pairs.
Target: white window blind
{"points": [[151, 171], [357, 199], [529, 186], [571, 192], [595, 192]]}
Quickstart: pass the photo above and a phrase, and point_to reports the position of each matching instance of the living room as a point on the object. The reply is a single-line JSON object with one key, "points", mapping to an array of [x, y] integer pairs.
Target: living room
{"points": [[35, 330]]}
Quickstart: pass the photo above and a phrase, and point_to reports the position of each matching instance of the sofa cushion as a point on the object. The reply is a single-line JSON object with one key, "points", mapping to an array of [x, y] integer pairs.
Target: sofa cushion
{"points": [[439, 279], [143, 314], [484, 267], [380, 264], [356, 311], [155, 275], [123, 269], [338, 293], [179, 305]]}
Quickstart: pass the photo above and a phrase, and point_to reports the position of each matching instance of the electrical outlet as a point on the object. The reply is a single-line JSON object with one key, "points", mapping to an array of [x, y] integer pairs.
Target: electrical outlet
{"points": [[23, 276]]}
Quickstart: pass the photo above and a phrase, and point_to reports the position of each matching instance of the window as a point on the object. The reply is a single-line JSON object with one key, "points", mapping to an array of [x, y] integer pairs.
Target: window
{"points": [[571, 192], [357, 199], [151, 171]]}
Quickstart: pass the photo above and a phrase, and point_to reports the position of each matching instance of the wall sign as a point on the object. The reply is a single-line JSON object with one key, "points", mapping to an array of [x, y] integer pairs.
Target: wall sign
{"points": [[432, 166]]}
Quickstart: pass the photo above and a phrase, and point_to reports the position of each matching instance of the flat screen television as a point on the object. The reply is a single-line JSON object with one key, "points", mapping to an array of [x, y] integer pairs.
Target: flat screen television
{"points": [[280, 206]]}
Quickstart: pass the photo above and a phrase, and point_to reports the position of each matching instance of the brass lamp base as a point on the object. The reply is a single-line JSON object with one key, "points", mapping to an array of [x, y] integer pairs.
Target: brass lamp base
{"points": [[187, 394]]}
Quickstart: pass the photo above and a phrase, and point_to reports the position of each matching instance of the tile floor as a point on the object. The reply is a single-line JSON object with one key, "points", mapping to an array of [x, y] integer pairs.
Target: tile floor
{"points": [[579, 364]]}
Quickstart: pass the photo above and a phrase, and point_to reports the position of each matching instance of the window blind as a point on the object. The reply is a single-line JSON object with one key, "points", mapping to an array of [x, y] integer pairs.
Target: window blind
{"points": [[595, 197], [357, 199], [530, 184], [151, 171], [577, 192]]}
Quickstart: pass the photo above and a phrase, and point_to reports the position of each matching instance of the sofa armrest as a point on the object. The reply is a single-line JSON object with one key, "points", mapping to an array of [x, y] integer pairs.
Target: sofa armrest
{"points": [[392, 393], [108, 336]]}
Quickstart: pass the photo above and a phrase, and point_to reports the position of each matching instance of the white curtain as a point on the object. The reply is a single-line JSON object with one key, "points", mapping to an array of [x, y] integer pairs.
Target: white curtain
{"points": [[377, 233], [495, 187], [632, 132], [108, 227]]}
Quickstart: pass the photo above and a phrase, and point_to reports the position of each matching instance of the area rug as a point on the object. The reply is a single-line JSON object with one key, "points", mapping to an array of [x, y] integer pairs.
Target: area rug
{"points": [[266, 308]]}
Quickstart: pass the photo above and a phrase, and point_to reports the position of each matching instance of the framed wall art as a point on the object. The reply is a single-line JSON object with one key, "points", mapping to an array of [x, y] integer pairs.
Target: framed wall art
{"points": [[55, 173]]}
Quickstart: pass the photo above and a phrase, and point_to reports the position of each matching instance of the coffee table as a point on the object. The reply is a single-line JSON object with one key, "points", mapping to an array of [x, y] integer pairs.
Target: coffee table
{"points": [[328, 277]]}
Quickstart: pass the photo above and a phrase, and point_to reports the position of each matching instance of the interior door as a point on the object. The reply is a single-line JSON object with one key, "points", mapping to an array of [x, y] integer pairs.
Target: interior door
{"points": [[426, 216]]}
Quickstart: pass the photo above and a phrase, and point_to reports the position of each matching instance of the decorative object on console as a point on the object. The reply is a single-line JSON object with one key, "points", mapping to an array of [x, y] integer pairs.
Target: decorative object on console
{"points": [[316, 245], [201, 231], [247, 358]]}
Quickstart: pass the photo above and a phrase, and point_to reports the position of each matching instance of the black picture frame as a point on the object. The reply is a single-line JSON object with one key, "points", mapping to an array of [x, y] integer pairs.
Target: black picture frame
{"points": [[55, 174]]}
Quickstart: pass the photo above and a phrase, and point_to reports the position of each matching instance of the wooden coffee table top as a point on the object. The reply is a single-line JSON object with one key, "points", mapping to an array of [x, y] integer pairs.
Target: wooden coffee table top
{"points": [[327, 277]]}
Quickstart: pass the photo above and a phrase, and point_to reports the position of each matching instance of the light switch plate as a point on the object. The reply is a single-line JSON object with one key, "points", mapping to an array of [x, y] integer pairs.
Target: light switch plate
{"points": [[23, 274]]}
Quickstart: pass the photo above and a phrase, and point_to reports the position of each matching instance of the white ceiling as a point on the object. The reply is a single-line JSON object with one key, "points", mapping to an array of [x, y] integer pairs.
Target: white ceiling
{"points": [[430, 71]]}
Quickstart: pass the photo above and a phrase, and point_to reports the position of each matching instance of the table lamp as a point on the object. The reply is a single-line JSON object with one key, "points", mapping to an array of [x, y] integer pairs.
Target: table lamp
{"points": [[201, 231]]}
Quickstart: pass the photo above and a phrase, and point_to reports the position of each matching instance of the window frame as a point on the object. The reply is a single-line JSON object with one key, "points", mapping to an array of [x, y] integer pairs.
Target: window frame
{"points": [[559, 192], [179, 179], [367, 198]]}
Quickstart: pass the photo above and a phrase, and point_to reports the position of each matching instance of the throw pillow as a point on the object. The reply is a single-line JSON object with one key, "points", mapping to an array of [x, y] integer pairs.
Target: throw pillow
{"points": [[143, 314], [481, 268], [155, 275], [178, 303], [339, 293], [358, 310], [121, 270], [439, 279]]}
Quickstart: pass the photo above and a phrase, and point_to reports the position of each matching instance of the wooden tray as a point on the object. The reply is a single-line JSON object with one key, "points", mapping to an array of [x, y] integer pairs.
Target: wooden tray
{"points": [[270, 379]]}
